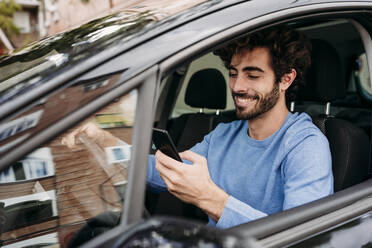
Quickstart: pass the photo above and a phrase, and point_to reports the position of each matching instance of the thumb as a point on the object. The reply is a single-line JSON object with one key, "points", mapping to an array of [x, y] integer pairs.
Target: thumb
{"points": [[191, 156]]}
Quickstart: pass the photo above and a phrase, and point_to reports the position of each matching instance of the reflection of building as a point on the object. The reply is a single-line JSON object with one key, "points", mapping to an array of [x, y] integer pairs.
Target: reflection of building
{"points": [[74, 185], [41, 18], [36, 165], [30, 22], [33, 21]]}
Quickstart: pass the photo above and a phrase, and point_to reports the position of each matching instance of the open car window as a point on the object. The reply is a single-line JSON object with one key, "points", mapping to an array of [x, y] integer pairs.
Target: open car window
{"points": [[64, 190], [344, 103]]}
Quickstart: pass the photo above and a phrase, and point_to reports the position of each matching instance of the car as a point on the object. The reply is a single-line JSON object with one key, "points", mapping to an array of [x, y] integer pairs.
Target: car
{"points": [[134, 70]]}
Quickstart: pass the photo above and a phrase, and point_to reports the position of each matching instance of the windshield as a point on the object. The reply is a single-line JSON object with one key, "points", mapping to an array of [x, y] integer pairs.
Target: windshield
{"points": [[24, 68]]}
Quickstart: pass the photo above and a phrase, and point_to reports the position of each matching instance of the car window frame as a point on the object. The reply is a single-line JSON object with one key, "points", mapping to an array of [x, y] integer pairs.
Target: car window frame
{"points": [[209, 44], [145, 113], [319, 225], [349, 226], [146, 84], [268, 226]]}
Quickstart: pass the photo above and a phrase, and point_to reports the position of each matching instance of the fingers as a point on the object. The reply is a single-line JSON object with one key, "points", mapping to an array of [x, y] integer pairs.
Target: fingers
{"points": [[91, 130], [167, 161], [164, 173], [192, 156], [170, 170], [169, 176], [69, 140]]}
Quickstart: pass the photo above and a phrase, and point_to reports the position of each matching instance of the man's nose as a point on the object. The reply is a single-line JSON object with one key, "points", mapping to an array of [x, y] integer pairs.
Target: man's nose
{"points": [[238, 84]]}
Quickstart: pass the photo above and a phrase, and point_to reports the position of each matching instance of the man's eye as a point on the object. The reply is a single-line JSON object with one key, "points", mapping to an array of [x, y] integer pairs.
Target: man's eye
{"points": [[233, 75], [253, 76]]}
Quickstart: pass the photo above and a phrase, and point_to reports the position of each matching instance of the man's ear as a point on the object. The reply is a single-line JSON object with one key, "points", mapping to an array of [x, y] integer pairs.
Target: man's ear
{"points": [[287, 80]]}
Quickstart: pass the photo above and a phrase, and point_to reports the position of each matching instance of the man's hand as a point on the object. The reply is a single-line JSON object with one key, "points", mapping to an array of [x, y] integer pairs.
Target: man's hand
{"points": [[96, 134], [192, 183]]}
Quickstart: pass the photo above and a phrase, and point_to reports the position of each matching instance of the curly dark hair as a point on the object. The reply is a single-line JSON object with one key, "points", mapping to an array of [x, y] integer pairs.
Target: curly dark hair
{"points": [[288, 48]]}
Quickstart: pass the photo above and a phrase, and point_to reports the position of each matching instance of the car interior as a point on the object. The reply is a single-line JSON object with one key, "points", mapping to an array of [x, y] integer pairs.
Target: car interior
{"points": [[337, 96]]}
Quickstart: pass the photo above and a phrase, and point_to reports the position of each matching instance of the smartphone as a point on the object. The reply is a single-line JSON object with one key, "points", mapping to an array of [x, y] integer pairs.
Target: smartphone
{"points": [[164, 143]]}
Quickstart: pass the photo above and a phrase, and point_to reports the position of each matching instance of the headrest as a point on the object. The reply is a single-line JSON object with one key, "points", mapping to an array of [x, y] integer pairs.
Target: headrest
{"points": [[325, 80], [206, 89]]}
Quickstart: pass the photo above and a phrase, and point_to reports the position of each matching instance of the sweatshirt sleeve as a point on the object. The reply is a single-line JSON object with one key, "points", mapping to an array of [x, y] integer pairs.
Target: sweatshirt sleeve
{"points": [[237, 212], [307, 172], [154, 181], [306, 178]]}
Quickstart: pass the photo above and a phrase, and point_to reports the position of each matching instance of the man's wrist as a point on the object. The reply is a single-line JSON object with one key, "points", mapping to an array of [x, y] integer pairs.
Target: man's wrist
{"points": [[214, 202]]}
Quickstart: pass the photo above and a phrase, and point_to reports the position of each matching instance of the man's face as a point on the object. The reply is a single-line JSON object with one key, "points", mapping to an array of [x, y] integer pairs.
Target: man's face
{"points": [[252, 83]]}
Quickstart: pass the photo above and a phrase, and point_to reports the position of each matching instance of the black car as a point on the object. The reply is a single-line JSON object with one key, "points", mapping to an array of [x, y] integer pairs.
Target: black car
{"points": [[134, 70]]}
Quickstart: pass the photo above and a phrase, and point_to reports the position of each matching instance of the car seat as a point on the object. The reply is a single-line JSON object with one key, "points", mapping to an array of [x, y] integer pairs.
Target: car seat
{"points": [[206, 89], [349, 144]]}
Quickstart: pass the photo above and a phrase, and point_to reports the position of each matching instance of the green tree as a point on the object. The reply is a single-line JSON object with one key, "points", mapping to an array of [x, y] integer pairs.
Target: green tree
{"points": [[7, 9]]}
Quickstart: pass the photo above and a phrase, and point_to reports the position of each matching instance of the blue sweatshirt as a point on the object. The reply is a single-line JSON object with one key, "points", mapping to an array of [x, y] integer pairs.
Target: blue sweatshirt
{"points": [[290, 168]]}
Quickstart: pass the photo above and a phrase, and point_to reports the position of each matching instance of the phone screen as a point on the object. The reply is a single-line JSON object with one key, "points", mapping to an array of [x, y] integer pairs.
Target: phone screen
{"points": [[164, 143]]}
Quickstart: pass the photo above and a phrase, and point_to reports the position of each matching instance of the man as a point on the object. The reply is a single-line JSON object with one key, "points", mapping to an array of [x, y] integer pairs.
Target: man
{"points": [[262, 164], [265, 162]]}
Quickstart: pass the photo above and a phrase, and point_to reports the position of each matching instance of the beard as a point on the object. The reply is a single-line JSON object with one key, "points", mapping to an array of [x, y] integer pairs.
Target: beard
{"points": [[263, 104]]}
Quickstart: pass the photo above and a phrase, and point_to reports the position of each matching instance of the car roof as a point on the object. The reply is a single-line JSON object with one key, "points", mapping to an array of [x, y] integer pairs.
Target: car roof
{"points": [[106, 37]]}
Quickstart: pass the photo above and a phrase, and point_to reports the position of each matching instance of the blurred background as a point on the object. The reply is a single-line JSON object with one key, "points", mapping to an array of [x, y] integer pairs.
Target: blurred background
{"points": [[25, 21]]}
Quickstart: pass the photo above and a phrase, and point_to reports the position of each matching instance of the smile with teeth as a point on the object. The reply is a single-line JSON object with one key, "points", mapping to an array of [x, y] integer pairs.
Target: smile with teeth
{"points": [[245, 100]]}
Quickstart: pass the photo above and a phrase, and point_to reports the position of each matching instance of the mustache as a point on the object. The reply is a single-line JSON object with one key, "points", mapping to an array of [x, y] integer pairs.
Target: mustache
{"points": [[254, 96]]}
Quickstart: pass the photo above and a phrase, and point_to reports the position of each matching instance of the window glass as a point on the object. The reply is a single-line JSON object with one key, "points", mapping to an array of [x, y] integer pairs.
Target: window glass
{"points": [[35, 165], [48, 197], [362, 74], [355, 234], [24, 69]]}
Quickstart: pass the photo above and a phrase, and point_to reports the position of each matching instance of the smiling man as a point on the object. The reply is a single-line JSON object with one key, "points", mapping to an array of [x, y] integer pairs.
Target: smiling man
{"points": [[269, 160]]}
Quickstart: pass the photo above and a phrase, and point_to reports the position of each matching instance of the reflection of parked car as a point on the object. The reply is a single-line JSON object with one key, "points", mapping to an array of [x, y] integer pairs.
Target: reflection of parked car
{"points": [[134, 70], [25, 213]]}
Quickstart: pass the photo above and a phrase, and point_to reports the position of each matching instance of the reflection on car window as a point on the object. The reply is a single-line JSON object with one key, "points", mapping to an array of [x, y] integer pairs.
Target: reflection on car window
{"points": [[25, 68], [353, 234], [363, 74], [48, 197]]}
